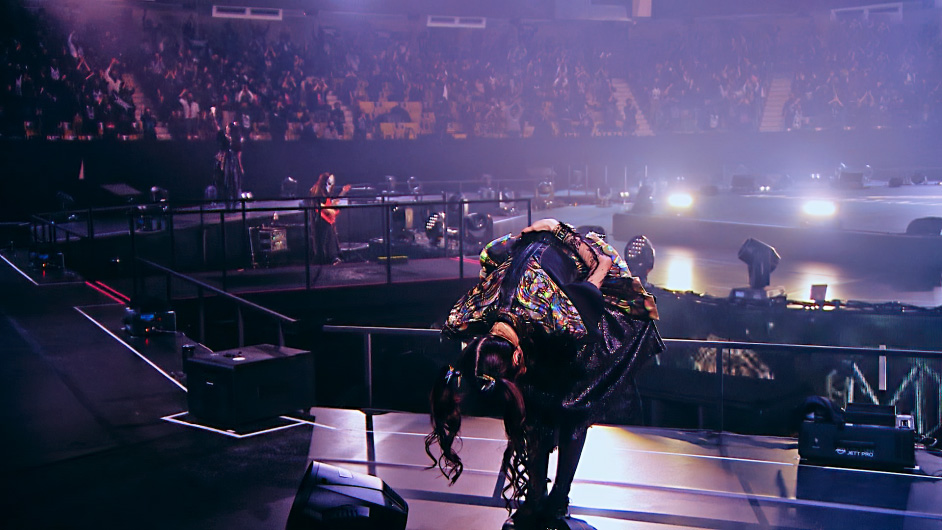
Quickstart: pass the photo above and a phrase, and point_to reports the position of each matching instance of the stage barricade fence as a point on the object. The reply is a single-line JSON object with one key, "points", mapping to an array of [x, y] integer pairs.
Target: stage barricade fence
{"points": [[761, 390], [222, 244]]}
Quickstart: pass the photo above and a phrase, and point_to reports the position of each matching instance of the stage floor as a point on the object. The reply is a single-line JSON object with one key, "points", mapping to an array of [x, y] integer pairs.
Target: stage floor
{"points": [[635, 477], [96, 437]]}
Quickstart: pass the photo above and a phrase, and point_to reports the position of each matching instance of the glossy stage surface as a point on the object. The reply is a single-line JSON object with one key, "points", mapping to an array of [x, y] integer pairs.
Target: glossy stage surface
{"points": [[96, 436]]}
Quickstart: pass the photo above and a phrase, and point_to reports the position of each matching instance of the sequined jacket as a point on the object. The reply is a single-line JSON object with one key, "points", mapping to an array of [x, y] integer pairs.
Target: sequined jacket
{"points": [[582, 343], [521, 283]]}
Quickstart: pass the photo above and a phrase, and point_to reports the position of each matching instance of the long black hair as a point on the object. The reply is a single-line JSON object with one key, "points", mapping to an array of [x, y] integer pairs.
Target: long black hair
{"points": [[485, 368]]}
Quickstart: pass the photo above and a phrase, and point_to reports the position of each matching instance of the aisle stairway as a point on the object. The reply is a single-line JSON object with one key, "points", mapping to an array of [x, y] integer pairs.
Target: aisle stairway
{"points": [[772, 118], [347, 115], [141, 102], [624, 96]]}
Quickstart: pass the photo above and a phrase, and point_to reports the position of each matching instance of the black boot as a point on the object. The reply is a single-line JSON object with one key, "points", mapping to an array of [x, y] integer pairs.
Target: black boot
{"points": [[525, 518], [556, 506]]}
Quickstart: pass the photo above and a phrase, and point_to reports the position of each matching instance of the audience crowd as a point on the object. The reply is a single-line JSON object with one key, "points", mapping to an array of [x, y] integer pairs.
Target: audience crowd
{"points": [[185, 78], [703, 78], [54, 83], [866, 74]]}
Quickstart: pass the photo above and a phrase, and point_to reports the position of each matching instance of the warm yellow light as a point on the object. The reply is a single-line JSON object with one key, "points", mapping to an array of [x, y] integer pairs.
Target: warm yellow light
{"points": [[679, 268]]}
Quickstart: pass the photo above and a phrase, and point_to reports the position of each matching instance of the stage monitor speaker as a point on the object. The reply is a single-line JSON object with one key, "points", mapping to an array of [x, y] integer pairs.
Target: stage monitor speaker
{"points": [[925, 226], [861, 436], [244, 385], [333, 498]]}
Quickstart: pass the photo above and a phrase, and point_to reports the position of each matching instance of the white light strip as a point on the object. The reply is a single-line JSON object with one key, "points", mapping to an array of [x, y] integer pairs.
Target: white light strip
{"points": [[299, 420], [771, 499], [707, 457], [389, 433], [17, 269], [173, 419], [128, 346]]}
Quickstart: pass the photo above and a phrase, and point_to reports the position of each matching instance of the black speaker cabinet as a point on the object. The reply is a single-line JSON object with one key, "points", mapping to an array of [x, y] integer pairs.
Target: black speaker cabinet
{"points": [[860, 446], [333, 498], [244, 385]]}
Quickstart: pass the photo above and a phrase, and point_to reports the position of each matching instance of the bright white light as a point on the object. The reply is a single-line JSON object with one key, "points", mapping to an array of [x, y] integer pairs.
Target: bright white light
{"points": [[819, 208], [680, 200]]}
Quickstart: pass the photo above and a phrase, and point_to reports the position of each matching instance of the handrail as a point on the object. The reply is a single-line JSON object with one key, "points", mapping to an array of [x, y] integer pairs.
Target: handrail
{"points": [[805, 348], [368, 331], [794, 348], [58, 227], [245, 204], [241, 301], [417, 332]]}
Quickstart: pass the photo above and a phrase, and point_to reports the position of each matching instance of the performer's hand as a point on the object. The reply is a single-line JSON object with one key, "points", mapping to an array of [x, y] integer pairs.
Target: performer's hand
{"points": [[601, 270], [606, 249], [542, 225], [346, 188]]}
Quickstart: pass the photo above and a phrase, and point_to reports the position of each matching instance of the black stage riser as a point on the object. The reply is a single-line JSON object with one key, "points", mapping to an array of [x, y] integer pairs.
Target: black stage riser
{"points": [[897, 253]]}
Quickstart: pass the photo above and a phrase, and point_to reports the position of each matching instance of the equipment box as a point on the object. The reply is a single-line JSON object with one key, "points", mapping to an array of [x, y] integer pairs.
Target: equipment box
{"points": [[244, 385]]}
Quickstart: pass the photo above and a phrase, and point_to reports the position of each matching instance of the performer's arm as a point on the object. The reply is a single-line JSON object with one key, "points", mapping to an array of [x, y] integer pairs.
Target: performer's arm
{"points": [[495, 253], [597, 262]]}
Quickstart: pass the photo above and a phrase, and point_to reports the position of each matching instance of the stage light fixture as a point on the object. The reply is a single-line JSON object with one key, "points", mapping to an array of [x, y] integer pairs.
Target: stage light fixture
{"points": [[435, 228], [761, 259], [158, 194], [147, 315], [45, 257], [507, 200], [545, 194], [151, 216], [478, 227], [639, 253], [414, 185], [604, 196], [390, 186], [333, 498]]}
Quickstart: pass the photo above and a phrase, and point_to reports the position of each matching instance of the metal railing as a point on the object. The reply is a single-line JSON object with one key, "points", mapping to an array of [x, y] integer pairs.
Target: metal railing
{"points": [[927, 400], [240, 303], [214, 225]]}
